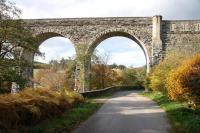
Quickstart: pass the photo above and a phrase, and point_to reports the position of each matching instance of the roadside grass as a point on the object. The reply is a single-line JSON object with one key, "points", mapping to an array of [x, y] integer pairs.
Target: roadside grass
{"points": [[182, 118], [68, 120], [72, 118]]}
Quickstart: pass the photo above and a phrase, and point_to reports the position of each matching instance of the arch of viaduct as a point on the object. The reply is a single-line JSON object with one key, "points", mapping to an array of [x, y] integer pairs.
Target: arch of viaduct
{"points": [[155, 36]]}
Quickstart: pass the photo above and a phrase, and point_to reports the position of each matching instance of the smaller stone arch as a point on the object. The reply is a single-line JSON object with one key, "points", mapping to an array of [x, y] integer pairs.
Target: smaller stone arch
{"points": [[95, 41], [41, 37], [29, 56]]}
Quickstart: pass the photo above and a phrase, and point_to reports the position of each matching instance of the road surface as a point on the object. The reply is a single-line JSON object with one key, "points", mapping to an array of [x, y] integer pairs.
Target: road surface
{"points": [[127, 112]]}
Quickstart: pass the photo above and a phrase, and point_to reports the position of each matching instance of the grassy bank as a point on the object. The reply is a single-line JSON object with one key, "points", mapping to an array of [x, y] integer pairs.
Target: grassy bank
{"points": [[183, 119], [68, 120]]}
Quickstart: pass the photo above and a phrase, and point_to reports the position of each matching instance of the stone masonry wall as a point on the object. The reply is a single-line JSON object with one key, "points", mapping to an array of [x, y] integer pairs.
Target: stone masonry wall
{"points": [[155, 36], [181, 36]]}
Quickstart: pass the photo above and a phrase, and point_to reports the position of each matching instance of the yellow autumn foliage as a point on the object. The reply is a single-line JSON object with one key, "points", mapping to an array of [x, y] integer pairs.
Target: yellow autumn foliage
{"points": [[159, 73], [183, 83]]}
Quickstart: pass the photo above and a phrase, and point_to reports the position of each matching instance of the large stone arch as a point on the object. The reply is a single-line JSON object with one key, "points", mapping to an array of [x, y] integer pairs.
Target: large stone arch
{"points": [[123, 33], [101, 36]]}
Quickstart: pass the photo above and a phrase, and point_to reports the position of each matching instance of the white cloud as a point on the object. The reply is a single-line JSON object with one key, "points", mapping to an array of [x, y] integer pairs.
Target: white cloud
{"points": [[55, 49], [133, 58], [122, 52], [170, 9]]}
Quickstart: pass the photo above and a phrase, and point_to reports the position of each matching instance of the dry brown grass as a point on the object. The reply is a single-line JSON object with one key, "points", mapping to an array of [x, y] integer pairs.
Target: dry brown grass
{"points": [[33, 105]]}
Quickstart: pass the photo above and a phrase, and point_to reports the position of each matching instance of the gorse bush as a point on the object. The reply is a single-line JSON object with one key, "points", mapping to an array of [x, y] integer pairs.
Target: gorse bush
{"points": [[159, 74], [33, 105], [183, 83]]}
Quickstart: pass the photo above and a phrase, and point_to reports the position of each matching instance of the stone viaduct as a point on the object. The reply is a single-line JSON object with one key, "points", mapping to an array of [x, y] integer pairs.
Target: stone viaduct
{"points": [[155, 36]]}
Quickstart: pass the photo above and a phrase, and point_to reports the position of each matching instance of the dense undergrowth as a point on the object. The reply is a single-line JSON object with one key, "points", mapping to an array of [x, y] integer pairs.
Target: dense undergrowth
{"points": [[68, 121], [183, 83], [31, 106], [178, 76]]}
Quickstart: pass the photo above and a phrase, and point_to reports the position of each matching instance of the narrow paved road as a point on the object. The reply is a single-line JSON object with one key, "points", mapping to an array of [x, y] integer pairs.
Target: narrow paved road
{"points": [[127, 112]]}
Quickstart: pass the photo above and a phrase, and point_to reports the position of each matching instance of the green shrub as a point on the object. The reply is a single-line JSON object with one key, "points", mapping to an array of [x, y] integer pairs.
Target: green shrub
{"points": [[33, 105], [183, 83], [157, 78]]}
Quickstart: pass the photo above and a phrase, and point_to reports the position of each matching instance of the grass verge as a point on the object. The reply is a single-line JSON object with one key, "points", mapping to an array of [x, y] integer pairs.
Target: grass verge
{"points": [[68, 120], [182, 118]]}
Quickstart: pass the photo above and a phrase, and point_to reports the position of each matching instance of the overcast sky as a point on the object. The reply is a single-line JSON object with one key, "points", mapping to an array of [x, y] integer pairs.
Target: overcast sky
{"points": [[130, 53]]}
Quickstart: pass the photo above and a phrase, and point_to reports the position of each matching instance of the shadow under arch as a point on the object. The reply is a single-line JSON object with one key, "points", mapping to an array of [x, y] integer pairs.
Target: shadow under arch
{"points": [[105, 35]]}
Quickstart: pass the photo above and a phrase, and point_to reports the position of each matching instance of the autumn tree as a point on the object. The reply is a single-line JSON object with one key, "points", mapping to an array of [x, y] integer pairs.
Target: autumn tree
{"points": [[104, 75], [100, 69]]}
